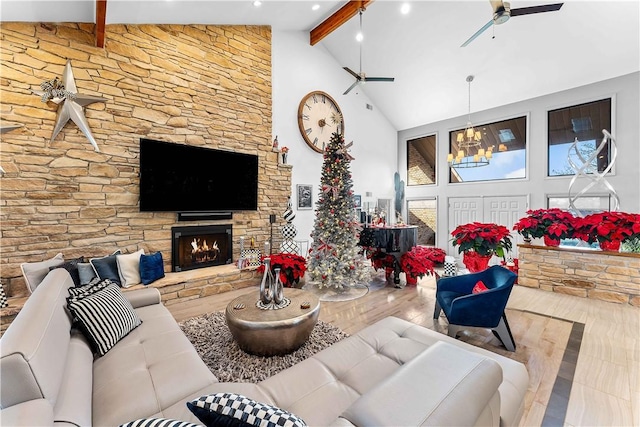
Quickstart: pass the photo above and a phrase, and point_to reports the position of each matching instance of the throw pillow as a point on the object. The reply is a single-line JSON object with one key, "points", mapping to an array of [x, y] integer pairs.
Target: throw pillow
{"points": [[105, 317], [86, 273], [72, 268], [92, 287], [151, 268], [129, 268], [107, 267], [158, 422], [35, 272], [479, 287], [236, 410]]}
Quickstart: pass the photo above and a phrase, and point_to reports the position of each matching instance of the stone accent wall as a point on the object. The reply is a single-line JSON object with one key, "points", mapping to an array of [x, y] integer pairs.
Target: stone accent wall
{"points": [[607, 276], [190, 84]]}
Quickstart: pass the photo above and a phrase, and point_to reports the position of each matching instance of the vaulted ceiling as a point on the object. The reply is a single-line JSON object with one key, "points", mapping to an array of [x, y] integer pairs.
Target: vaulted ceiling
{"points": [[528, 56]]}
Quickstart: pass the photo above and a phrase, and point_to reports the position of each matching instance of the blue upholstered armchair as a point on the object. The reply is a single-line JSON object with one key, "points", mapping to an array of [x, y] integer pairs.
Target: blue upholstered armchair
{"points": [[485, 309]]}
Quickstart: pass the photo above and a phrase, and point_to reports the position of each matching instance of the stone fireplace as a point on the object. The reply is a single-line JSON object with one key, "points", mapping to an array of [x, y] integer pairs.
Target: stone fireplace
{"points": [[200, 246]]}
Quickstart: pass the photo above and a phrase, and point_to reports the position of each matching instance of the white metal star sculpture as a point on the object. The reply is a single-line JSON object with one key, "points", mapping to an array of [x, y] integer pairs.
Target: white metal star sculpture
{"points": [[72, 107]]}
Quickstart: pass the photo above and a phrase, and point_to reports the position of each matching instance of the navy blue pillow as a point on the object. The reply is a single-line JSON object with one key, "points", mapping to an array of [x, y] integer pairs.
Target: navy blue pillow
{"points": [[107, 267], [151, 268]]}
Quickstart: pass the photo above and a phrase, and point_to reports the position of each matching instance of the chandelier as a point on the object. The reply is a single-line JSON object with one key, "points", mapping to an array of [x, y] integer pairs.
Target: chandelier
{"points": [[470, 152]]}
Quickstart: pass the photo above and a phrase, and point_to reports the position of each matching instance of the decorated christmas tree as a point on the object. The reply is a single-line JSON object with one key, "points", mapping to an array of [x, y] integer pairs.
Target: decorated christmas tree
{"points": [[334, 257]]}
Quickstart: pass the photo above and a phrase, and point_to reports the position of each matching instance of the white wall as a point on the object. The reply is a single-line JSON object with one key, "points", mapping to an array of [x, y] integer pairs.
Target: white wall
{"points": [[625, 91], [299, 68]]}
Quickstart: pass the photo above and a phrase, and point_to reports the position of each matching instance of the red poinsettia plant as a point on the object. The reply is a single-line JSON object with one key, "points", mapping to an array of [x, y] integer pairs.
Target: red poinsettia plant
{"points": [[553, 222], [484, 239], [420, 260], [292, 267], [608, 227]]}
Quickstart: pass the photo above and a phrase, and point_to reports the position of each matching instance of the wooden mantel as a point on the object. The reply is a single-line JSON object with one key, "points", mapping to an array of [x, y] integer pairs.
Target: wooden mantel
{"points": [[607, 276]]}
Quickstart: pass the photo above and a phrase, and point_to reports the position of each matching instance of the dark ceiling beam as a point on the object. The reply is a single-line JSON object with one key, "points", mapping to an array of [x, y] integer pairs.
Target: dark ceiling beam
{"points": [[332, 23], [101, 18]]}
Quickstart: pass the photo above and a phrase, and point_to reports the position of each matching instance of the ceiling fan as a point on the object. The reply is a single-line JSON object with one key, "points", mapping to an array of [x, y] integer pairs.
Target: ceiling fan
{"points": [[502, 12], [361, 76]]}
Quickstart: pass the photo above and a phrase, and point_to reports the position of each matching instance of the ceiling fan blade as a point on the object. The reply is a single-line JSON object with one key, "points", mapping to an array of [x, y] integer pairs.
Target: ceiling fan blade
{"points": [[353, 73], [351, 87], [536, 9], [480, 31], [379, 79]]}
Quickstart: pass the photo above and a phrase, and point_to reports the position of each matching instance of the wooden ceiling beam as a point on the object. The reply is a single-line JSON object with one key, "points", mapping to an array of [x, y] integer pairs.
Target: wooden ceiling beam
{"points": [[332, 23], [101, 18]]}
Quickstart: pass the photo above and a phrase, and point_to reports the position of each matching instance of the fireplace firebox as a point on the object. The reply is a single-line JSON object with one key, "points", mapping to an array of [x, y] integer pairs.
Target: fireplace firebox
{"points": [[200, 246]]}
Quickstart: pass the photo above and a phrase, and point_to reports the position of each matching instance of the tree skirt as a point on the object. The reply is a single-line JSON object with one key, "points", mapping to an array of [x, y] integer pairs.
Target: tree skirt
{"points": [[378, 281], [213, 341]]}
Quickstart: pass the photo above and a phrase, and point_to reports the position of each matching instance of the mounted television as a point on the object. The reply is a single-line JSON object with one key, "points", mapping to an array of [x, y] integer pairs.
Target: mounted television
{"points": [[183, 178]]}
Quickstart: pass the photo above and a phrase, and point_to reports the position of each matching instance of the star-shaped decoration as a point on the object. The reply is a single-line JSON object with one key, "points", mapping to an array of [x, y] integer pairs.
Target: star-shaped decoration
{"points": [[72, 107]]}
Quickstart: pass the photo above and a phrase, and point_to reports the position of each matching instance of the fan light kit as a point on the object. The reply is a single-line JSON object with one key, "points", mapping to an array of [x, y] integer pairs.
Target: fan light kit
{"points": [[361, 78], [502, 12], [469, 139]]}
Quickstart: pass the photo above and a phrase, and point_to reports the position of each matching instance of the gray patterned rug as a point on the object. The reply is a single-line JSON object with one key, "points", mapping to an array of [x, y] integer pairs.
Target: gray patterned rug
{"points": [[212, 339]]}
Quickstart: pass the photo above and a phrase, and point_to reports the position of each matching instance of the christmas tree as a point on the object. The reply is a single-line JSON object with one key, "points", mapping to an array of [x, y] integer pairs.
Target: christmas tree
{"points": [[334, 257]]}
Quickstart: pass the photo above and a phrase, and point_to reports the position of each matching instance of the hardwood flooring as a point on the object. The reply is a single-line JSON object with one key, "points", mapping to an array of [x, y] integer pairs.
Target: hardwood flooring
{"points": [[583, 356]]}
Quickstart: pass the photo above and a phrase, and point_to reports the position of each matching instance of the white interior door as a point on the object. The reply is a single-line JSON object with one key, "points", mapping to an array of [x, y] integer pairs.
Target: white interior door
{"points": [[504, 210]]}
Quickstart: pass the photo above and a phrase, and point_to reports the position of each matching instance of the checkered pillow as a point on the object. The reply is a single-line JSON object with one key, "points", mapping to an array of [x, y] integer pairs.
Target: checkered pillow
{"points": [[158, 422], [235, 410]]}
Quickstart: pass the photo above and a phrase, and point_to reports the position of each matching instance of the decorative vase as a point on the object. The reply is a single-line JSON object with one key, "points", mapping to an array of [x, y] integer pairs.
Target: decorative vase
{"points": [[276, 291], [527, 240], [610, 245], [283, 156], [266, 286], [475, 262], [550, 241]]}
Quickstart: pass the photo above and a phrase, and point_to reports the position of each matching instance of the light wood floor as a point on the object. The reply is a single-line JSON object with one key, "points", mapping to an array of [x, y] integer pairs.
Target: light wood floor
{"points": [[606, 383]]}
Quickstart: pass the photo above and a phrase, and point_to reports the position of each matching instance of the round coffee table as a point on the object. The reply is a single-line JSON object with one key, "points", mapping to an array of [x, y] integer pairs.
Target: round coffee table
{"points": [[272, 332]]}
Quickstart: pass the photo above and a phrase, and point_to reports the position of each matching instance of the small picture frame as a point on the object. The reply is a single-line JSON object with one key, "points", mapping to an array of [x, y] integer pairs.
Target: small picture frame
{"points": [[305, 196], [357, 201]]}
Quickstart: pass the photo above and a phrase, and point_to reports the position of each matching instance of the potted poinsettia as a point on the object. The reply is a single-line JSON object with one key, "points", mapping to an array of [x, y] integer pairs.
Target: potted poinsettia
{"points": [[478, 242], [419, 262], [609, 229], [551, 224], [292, 267]]}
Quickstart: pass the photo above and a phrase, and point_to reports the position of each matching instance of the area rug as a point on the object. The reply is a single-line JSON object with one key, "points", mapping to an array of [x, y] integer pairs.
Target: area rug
{"points": [[213, 341]]}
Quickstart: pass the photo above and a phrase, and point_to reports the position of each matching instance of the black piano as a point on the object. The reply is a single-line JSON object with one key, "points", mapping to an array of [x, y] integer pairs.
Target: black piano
{"points": [[390, 240]]}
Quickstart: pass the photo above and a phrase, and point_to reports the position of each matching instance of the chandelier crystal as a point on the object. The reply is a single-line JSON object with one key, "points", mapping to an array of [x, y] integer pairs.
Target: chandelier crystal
{"points": [[470, 152]]}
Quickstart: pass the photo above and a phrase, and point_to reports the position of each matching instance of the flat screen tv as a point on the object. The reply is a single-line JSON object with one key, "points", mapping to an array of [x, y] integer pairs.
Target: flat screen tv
{"points": [[183, 178]]}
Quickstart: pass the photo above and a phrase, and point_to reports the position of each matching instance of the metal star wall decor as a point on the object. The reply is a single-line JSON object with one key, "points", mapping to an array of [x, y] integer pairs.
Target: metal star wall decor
{"points": [[73, 104]]}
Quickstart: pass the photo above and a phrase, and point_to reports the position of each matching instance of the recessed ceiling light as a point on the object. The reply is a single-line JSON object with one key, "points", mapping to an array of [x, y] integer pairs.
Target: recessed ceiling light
{"points": [[257, 3], [359, 37], [405, 8], [315, 7]]}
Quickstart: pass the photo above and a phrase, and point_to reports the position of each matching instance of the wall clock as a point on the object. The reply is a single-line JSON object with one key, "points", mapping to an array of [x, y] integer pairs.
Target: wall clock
{"points": [[319, 116]]}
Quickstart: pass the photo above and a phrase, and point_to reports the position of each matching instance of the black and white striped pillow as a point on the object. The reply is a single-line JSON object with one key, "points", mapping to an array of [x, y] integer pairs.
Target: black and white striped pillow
{"points": [[105, 317], [236, 410], [159, 422]]}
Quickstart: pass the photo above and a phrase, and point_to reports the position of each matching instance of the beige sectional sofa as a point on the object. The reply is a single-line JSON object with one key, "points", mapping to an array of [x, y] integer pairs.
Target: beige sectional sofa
{"points": [[390, 373]]}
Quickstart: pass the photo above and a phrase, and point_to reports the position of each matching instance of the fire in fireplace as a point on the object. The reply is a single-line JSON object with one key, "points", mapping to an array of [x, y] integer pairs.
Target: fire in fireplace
{"points": [[200, 246]]}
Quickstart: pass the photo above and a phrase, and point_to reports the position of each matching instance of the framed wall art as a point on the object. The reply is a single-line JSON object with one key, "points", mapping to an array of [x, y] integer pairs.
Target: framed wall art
{"points": [[305, 196]]}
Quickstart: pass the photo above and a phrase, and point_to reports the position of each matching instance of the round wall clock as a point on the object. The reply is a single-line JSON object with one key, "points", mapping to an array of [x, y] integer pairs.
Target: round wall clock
{"points": [[319, 116]]}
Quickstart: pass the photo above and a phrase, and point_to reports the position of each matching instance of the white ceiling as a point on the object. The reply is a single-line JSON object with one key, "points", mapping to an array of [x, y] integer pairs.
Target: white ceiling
{"points": [[534, 55]]}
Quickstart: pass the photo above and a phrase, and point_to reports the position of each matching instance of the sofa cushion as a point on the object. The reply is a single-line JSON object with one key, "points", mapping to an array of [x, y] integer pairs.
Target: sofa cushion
{"points": [[479, 287], [151, 268], [129, 268], [72, 267], [159, 422], [107, 267], [86, 272], [236, 410], [105, 317], [35, 272], [92, 287]]}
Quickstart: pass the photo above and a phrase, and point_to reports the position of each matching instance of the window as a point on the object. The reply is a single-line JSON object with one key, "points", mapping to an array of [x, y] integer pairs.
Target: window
{"points": [[583, 123], [423, 213], [421, 160], [507, 142]]}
